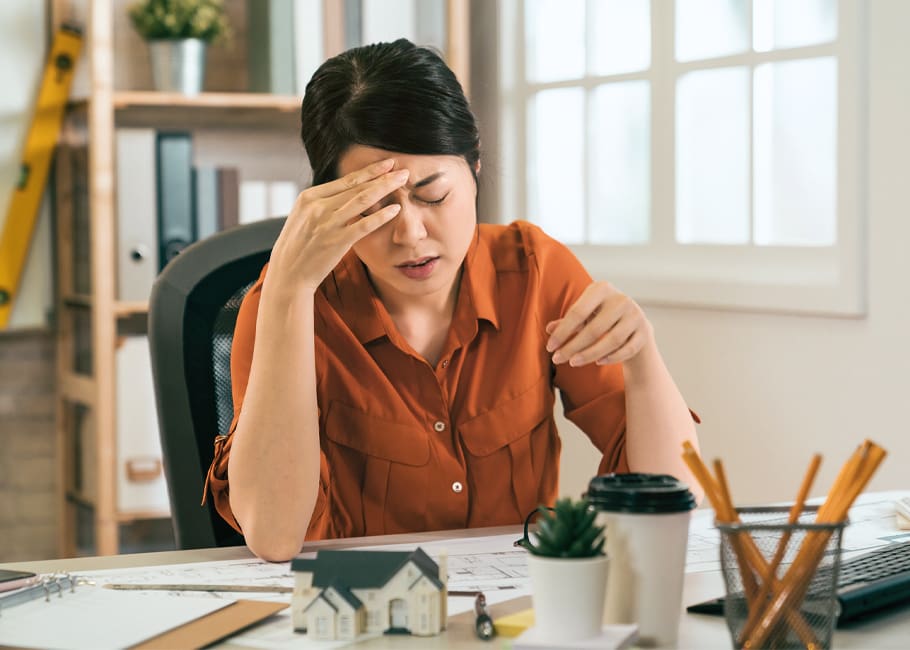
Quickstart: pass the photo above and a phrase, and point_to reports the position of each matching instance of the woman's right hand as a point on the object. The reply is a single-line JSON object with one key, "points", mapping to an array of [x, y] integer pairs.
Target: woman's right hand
{"points": [[328, 219]]}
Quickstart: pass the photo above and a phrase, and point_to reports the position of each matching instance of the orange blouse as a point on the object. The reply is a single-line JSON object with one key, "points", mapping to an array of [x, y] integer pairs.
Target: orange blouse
{"points": [[407, 446]]}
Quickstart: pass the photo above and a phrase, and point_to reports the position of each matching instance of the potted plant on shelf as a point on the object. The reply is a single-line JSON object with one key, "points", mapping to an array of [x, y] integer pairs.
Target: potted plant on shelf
{"points": [[178, 33], [568, 572]]}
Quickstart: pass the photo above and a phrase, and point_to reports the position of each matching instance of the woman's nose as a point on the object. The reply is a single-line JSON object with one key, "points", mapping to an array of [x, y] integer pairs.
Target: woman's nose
{"points": [[408, 226]]}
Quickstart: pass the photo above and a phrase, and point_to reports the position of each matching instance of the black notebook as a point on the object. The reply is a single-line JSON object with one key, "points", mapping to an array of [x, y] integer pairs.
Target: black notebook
{"points": [[869, 583]]}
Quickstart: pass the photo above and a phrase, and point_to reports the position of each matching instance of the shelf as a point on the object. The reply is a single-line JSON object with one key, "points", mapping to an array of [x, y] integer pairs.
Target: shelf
{"points": [[77, 300], [208, 110], [122, 309], [77, 388], [127, 517], [83, 500], [79, 499], [130, 309]]}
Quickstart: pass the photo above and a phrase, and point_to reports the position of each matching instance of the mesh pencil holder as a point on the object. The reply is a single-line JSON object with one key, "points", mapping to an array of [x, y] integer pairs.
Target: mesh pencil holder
{"points": [[810, 550]]}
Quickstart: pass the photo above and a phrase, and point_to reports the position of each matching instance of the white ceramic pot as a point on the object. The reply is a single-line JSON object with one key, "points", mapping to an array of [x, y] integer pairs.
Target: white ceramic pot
{"points": [[568, 595]]}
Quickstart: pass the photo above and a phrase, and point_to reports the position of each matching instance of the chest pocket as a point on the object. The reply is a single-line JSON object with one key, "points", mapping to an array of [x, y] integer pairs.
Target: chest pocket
{"points": [[376, 467], [514, 435]]}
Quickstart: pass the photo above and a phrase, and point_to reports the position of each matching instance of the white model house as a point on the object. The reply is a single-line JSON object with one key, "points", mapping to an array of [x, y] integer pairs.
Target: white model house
{"points": [[342, 594]]}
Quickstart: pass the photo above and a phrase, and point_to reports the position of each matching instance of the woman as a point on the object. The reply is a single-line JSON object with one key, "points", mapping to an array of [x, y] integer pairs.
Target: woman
{"points": [[394, 367]]}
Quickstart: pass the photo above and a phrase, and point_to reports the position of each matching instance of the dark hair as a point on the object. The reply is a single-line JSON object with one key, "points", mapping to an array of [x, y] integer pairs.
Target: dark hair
{"points": [[394, 96]]}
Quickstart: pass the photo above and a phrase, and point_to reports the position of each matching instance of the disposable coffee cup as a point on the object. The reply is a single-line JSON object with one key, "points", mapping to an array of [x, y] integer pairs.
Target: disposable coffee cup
{"points": [[647, 526]]}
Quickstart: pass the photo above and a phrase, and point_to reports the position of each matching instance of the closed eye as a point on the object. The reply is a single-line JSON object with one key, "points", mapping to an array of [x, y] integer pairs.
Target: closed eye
{"points": [[433, 202], [378, 206]]}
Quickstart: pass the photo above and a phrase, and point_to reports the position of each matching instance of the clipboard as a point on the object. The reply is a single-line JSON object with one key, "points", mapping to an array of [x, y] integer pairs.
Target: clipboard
{"points": [[215, 626], [50, 613]]}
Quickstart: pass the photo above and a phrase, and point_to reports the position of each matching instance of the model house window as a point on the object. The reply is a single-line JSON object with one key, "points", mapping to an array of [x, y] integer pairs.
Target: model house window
{"points": [[323, 628], [693, 152], [345, 625]]}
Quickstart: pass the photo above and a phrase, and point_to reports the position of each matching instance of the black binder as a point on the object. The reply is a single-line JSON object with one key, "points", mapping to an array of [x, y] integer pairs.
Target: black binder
{"points": [[176, 220]]}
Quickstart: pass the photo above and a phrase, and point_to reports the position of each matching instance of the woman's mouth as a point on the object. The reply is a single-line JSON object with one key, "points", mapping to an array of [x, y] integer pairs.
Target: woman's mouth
{"points": [[418, 269]]}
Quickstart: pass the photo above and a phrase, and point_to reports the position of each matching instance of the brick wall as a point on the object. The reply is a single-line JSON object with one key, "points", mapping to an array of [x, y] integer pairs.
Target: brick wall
{"points": [[28, 469]]}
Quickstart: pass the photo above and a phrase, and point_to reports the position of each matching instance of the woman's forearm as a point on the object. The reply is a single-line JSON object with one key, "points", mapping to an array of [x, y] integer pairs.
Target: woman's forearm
{"points": [[274, 464], [657, 418]]}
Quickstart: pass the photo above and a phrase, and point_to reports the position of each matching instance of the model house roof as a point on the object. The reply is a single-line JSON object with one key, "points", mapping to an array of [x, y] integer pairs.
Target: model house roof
{"points": [[363, 569], [321, 598], [345, 594]]}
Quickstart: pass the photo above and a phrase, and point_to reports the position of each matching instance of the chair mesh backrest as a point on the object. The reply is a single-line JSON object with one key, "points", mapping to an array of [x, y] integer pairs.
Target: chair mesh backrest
{"points": [[192, 312], [222, 339], [208, 333]]}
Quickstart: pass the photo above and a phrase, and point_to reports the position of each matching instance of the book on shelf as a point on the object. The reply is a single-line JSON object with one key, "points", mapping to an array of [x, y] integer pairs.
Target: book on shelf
{"points": [[205, 191], [309, 48], [270, 46], [228, 180], [141, 485], [174, 182], [137, 213], [265, 199]]}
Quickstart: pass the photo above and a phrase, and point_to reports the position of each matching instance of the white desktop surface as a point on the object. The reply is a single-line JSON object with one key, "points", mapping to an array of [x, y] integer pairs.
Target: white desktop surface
{"points": [[695, 631]]}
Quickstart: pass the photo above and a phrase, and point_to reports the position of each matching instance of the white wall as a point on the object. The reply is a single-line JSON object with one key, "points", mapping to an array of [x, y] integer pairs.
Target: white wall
{"points": [[772, 389], [22, 32]]}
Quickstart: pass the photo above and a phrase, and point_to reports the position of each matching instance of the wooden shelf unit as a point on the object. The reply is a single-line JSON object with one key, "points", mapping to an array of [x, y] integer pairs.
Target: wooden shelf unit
{"points": [[86, 400]]}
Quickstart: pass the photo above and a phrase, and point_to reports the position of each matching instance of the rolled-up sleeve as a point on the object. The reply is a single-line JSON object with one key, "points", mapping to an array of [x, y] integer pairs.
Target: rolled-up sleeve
{"points": [[593, 396], [217, 481]]}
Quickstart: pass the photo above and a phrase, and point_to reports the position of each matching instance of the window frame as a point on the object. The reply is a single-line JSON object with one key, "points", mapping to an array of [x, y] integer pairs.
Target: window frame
{"points": [[823, 280]]}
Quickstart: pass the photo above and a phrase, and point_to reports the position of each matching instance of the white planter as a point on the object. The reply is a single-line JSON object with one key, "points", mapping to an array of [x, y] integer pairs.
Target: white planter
{"points": [[178, 65], [568, 595]]}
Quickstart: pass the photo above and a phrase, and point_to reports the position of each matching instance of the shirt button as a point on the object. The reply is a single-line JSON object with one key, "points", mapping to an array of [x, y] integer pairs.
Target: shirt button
{"points": [[445, 363], [440, 426], [457, 487]]}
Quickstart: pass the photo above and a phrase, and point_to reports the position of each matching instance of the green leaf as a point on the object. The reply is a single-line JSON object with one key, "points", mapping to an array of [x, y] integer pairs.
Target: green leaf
{"points": [[584, 543], [585, 521]]}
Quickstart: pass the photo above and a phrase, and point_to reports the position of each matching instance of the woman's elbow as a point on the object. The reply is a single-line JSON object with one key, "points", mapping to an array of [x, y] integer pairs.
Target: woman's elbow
{"points": [[273, 547]]}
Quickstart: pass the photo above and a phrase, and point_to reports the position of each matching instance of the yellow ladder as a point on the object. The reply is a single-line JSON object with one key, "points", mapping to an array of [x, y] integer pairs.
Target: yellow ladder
{"points": [[22, 214]]}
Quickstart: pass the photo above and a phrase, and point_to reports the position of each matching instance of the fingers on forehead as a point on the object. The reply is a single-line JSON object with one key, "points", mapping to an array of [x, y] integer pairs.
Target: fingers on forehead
{"points": [[354, 179]]}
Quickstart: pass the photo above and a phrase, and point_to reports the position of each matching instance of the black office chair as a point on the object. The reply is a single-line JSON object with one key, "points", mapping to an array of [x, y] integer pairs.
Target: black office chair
{"points": [[192, 312]]}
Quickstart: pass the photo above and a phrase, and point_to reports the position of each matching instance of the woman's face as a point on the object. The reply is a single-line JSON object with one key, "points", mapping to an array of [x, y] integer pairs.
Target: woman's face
{"points": [[420, 251]]}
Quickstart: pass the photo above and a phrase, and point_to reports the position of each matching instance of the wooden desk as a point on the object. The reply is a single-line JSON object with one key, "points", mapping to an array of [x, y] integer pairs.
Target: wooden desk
{"points": [[695, 631]]}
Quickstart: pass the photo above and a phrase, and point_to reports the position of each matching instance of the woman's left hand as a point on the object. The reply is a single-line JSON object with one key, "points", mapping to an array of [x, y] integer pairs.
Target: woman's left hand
{"points": [[603, 326]]}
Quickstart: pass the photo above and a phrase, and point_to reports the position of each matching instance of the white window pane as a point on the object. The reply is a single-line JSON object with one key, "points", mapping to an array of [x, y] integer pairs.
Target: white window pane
{"points": [[795, 135], [793, 23], [710, 28], [555, 163], [712, 156], [555, 39], [621, 37], [620, 179]]}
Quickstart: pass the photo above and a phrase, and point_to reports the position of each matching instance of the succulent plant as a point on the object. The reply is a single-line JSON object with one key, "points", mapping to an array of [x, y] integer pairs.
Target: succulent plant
{"points": [[172, 19], [567, 530]]}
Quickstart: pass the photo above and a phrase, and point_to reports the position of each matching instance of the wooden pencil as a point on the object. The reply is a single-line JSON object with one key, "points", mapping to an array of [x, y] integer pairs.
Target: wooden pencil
{"points": [[795, 511], [747, 553], [789, 592]]}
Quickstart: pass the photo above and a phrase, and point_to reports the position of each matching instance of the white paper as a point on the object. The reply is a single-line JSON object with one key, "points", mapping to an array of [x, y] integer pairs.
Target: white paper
{"points": [[873, 524], [491, 564], [250, 571], [277, 633], [94, 617]]}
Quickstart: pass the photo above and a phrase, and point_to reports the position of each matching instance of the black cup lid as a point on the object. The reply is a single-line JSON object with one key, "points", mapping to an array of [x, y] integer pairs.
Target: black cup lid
{"points": [[639, 493]]}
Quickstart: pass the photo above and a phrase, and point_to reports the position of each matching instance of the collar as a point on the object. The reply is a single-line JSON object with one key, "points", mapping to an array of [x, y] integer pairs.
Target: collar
{"points": [[478, 282], [369, 320]]}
